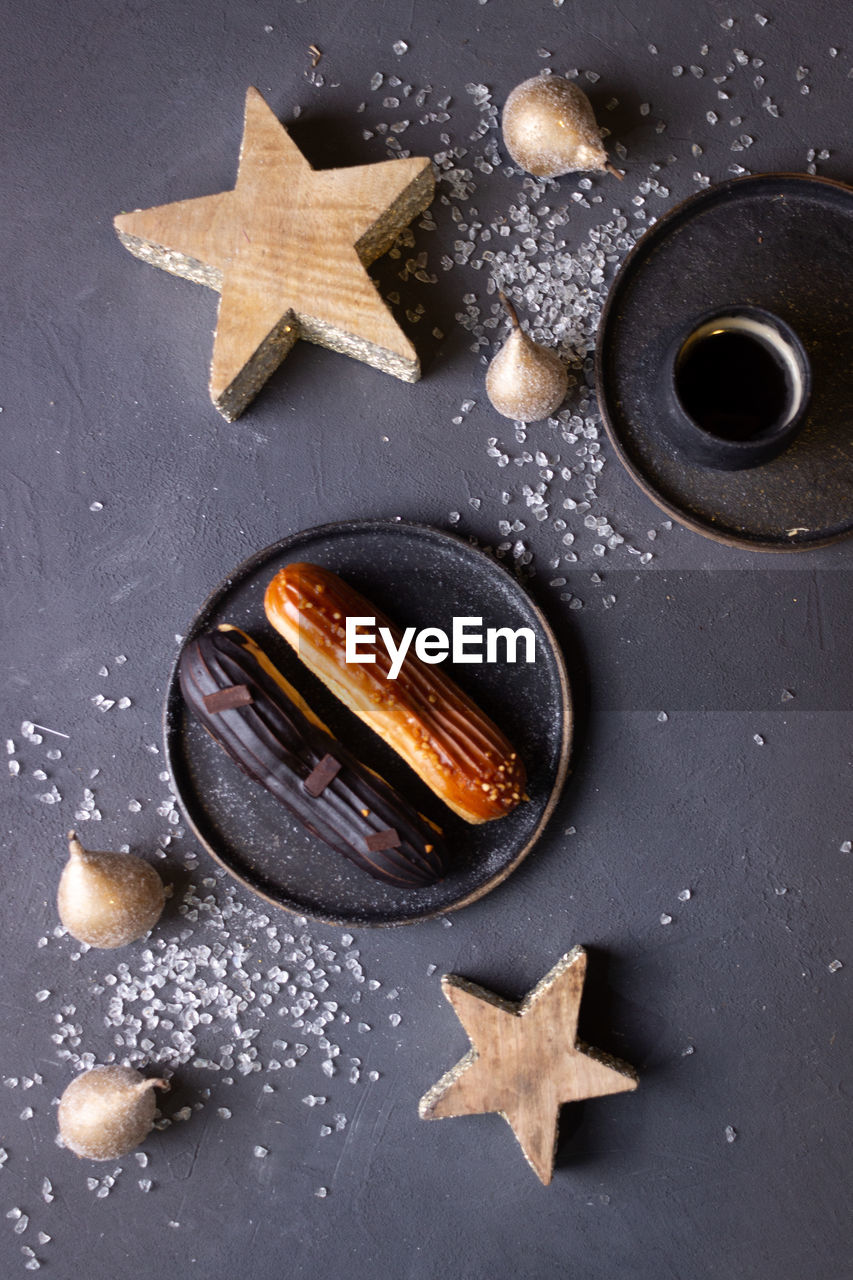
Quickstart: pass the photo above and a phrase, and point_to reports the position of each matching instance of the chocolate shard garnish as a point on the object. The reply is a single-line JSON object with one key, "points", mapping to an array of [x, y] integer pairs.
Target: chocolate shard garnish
{"points": [[236, 695], [380, 840], [321, 775]]}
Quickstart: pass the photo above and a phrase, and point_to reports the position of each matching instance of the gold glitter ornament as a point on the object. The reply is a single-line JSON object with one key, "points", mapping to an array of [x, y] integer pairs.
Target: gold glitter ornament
{"points": [[549, 129], [525, 381], [107, 1111], [108, 899]]}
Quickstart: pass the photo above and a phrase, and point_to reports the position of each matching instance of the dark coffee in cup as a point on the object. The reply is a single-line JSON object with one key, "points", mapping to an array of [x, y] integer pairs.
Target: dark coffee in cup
{"points": [[740, 383]]}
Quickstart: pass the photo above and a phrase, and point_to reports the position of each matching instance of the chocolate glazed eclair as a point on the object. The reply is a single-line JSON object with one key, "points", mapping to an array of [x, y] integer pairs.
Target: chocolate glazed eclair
{"points": [[456, 749], [268, 729]]}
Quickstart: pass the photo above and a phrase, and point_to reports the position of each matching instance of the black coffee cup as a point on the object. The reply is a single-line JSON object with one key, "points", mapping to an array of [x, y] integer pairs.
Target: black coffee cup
{"points": [[738, 385]]}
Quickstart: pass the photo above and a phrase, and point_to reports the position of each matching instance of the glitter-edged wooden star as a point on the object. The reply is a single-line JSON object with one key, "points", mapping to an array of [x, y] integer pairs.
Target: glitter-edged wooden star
{"points": [[288, 249], [525, 1060]]}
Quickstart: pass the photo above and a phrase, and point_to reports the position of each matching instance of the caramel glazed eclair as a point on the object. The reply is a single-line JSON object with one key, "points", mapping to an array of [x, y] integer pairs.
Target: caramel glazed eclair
{"points": [[423, 715], [268, 729]]}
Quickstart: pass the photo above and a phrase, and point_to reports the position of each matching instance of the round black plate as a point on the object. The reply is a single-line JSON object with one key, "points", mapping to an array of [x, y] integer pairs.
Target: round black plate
{"points": [[780, 241], [418, 576]]}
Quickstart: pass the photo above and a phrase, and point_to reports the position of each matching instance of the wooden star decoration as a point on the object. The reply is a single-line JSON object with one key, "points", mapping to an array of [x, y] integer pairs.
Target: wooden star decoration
{"points": [[525, 1060], [288, 250]]}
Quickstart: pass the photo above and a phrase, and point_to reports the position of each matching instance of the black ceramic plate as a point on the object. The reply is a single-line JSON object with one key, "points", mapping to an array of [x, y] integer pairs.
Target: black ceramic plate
{"points": [[780, 241], [418, 576]]}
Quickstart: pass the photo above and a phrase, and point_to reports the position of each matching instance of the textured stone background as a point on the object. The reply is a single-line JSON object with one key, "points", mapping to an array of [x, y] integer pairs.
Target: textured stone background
{"points": [[112, 105]]}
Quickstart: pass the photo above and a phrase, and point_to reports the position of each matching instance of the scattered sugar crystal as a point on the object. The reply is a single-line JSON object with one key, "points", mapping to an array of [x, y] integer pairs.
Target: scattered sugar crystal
{"points": [[845, 847], [687, 1051], [731, 1133], [678, 71], [321, 1193], [14, 1214], [685, 895], [44, 1238], [96, 506], [144, 1184], [662, 717], [260, 1152], [400, 47], [21, 1224], [665, 918], [123, 704], [134, 806], [27, 1113], [14, 768], [758, 739], [787, 695], [761, 19], [834, 966]]}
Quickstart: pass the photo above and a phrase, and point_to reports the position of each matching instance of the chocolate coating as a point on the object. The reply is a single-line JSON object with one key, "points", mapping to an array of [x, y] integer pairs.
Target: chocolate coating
{"points": [[277, 744]]}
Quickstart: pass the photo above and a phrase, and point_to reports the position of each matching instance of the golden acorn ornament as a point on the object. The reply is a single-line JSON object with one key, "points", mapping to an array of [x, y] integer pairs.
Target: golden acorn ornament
{"points": [[525, 380], [107, 1111], [108, 899], [549, 129]]}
